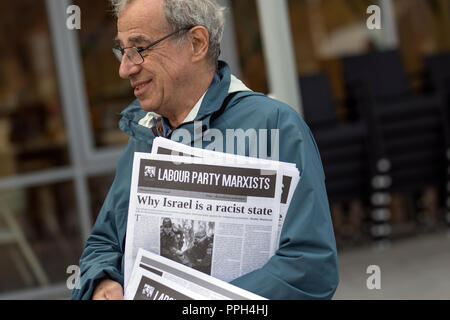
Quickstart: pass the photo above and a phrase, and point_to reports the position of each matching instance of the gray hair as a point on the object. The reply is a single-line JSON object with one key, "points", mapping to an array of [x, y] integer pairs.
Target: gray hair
{"points": [[186, 13]]}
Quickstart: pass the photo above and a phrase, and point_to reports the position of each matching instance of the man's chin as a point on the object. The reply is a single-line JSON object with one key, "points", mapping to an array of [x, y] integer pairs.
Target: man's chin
{"points": [[146, 106]]}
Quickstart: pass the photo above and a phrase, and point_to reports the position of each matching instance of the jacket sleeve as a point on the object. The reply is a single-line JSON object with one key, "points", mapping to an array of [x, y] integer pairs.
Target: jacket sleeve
{"points": [[103, 252], [305, 265]]}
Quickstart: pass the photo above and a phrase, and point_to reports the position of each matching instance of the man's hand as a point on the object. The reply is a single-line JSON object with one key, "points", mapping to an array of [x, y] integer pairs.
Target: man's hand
{"points": [[108, 290]]}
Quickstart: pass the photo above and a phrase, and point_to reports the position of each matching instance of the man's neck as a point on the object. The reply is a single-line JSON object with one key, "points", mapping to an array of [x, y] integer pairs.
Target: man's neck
{"points": [[201, 85]]}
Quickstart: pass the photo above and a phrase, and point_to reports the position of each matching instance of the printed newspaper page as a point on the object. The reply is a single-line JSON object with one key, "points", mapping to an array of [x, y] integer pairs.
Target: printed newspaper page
{"points": [[289, 171], [208, 287], [219, 219]]}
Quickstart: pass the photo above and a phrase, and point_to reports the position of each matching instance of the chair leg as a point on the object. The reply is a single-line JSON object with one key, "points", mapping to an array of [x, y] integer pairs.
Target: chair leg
{"points": [[51, 222], [429, 208], [20, 264], [381, 228], [356, 217]]}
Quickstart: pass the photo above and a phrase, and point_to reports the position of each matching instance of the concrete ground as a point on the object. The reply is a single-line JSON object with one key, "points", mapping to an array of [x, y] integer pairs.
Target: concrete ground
{"points": [[414, 268]]}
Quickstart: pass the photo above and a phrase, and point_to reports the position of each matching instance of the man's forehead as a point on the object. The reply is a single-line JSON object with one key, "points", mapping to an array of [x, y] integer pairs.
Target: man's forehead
{"points": [[142, 17], [138, 34]]}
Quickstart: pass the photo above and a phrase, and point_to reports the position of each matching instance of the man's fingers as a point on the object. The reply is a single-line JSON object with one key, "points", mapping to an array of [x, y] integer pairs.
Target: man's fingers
{"points": [[99, 296], [108, 290], [114, 292]]}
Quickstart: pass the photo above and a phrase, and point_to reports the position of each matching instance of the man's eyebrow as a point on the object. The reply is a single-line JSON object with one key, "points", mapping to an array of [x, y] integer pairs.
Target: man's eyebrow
{"points": [[133, 40], [117, 41], [138, 39]]}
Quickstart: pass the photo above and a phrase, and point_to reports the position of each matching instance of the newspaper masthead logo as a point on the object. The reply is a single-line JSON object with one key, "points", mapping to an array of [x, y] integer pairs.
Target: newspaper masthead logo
{"points": [[149, 172], [151, 293], [148, 290]]}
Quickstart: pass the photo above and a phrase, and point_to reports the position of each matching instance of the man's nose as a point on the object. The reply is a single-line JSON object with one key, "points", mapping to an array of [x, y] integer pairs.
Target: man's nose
{"points": [[127, 68]]}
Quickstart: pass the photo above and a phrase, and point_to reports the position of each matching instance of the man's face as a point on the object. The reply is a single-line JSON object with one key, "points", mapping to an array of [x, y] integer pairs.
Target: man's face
{"points": [[160, 82]]}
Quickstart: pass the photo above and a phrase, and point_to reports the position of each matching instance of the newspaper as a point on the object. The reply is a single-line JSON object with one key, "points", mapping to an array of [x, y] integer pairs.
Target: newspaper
{"points": [[216, 218], [289, 171], [155, 278], [146, 285]]}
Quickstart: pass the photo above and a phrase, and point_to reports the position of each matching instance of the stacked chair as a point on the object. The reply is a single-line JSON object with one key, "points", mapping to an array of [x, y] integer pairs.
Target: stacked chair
{"points": [[437, 76], [437, 81], [408, 133], [344, 153]]}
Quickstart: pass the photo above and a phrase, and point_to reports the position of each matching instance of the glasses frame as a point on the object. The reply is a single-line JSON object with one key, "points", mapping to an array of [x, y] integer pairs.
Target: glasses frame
{"points": [[120, 52]]}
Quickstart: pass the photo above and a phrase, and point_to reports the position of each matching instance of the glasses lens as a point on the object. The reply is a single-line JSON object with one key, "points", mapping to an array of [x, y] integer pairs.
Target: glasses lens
{"points": [[134, 56], [131, 53], [118, 54]]}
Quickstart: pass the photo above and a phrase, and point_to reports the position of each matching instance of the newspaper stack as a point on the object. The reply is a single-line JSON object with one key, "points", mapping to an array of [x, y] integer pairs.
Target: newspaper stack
{"points": [[158, 278], [207, 213]]}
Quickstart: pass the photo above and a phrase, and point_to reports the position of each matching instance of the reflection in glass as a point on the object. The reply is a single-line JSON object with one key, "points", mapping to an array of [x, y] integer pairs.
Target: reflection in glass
{"points": [[250, 51], [108, 94], [32, 133], [40, 236]]}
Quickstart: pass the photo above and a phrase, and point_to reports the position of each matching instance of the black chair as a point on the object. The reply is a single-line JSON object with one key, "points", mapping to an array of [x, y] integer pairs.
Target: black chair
{"points": [[381, 72], [437, 80], [344, 153], [437, 76], [408, 132]]}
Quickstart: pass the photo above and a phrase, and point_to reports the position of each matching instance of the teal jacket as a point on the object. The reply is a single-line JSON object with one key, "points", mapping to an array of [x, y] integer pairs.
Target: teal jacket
{"points": [[304, 266]]}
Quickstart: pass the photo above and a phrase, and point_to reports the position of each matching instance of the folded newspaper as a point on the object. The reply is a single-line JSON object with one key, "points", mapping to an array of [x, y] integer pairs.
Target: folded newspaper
{"points": [[208, 212], [158, 278]]}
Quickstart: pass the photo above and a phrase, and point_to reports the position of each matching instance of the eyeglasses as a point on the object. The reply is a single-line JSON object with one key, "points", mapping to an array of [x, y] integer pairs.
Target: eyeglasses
{"points": [[134, 54]]}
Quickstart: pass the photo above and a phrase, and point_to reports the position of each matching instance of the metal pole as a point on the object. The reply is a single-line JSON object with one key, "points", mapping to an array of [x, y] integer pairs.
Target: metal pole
{"points": [[279, 52], [390, 34], [229, 49], [73, 97]]}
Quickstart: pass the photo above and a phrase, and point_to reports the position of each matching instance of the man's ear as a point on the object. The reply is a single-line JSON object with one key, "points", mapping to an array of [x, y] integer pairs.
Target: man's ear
{"points": [[199, 42]]}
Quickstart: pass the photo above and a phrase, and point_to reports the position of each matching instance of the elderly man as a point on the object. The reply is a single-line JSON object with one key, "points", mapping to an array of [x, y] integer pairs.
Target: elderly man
{"points": [[168, 50]]}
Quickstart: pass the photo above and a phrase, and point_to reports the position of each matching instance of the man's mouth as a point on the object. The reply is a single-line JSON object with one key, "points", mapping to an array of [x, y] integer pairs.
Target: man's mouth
{"points": [[140, 87]]}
